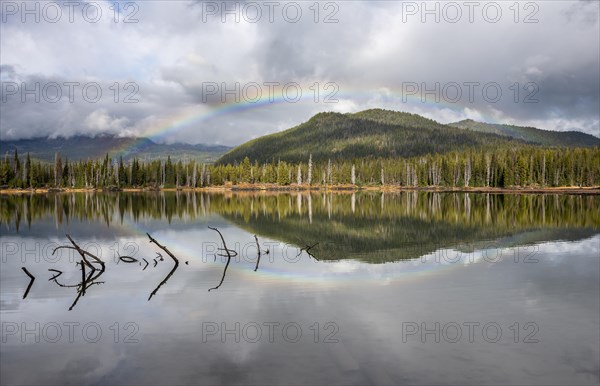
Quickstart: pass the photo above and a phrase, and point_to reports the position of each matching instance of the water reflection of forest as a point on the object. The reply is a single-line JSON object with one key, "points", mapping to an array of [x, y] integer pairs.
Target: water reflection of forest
{"points": [[371, 226]]}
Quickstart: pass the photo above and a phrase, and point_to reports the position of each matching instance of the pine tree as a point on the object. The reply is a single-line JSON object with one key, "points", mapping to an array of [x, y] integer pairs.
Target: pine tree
{"points": [[245, 166], [122, 174], [169, 179], [57, 170], [26, 170], [6, 172]]}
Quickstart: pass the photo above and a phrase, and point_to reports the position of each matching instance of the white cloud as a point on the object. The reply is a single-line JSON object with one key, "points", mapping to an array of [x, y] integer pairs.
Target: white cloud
{"points": [[369, 54], [100, 122]]}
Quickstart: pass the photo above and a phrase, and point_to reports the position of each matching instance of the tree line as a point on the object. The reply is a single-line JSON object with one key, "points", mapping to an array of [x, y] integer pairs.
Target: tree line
{"points": [[501, 167]]}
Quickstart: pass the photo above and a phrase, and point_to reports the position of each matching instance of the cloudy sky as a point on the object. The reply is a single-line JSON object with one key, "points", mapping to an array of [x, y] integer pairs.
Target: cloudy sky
{"points": [[214, 72]]}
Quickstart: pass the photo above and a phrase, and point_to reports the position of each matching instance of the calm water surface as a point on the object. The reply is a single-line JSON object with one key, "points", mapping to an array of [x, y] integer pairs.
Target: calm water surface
{"points": [[365, 288]]}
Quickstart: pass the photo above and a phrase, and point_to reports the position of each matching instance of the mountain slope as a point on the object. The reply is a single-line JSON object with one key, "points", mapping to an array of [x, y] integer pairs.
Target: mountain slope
{"points": [[83, 148], [532, 134], [370, 133]]}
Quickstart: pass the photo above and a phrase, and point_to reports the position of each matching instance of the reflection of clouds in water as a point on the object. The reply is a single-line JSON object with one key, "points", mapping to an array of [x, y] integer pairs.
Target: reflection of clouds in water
{"points": [[346, 266], [77, 363], [559, 251], [584, 362], [555, 293]]}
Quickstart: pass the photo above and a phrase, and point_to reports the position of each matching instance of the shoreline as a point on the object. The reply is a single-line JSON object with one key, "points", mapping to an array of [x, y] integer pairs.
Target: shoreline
{"points": [[249, 188]]}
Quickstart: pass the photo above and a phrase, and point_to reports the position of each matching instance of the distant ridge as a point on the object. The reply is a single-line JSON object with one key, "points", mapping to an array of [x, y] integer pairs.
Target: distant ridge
{"points": [[83, 148], [383, 133], [370, 133], [532, 134]]}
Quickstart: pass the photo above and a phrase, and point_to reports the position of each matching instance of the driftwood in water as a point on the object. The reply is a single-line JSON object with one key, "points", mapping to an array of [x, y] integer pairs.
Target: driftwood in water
{"points": [[55, 276], [128, 259], [306, 249], [83, 253], [32, 279], [234, 253], [78, 250], [86, 280], [258, 249], [228, 258], [82, 291], [55, 280], [172, 270], [266, 252]]}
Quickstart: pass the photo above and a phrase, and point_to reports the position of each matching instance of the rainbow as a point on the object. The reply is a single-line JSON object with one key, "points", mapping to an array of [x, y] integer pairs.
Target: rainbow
{"points": [[184, 118], [324, 273]]}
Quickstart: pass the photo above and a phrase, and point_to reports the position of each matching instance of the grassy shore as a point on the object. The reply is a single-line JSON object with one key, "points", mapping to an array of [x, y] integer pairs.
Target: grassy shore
{"points": [[330, 188]]}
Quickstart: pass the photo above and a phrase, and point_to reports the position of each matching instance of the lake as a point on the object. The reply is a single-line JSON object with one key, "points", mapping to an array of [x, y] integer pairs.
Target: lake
{"points": [[350, 288]]}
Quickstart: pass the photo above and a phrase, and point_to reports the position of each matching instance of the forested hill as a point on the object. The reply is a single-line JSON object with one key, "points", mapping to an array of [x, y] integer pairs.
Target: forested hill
{"points": [[532, 134], [381, 133], [369, 133]]}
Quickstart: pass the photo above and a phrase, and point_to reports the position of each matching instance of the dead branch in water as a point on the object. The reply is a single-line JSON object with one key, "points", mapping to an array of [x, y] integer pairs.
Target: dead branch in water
{"points": [[228, 258], [229, 251], [306, 249], [172, 270], [128, 259], [86, 283], [258, 249], [86, 280], [163, 248], [55, 276], [77, 249], [83, 281], [55, 280], [83, 253], [30, 281]]}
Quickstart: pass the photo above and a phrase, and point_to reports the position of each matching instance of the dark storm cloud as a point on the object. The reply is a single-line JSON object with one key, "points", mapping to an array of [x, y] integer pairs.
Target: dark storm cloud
{"points": [[571, 94]]}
